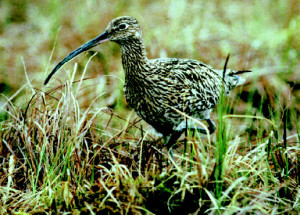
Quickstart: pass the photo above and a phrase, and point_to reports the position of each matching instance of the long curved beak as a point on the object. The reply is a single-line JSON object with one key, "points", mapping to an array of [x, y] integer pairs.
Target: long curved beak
{"points": [[100, 39]]}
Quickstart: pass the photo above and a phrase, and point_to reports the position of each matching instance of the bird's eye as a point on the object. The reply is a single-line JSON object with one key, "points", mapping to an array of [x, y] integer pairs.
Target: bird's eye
{"points": [[122, 26]]}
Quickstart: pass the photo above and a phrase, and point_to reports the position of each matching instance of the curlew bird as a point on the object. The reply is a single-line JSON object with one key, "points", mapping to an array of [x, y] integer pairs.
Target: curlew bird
{"points": [[160, 90]]}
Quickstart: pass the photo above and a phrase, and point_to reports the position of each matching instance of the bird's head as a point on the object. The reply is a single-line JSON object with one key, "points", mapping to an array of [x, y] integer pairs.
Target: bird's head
{"points": [[123, 29], [120, 30]]}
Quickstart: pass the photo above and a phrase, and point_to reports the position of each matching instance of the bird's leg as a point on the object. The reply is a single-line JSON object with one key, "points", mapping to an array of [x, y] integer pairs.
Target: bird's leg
{"points": [[170, 140], [211, 127]]}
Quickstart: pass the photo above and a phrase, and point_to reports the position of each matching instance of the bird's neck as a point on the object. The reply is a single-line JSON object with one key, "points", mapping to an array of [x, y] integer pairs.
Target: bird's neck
{"points": [[134, 57]]}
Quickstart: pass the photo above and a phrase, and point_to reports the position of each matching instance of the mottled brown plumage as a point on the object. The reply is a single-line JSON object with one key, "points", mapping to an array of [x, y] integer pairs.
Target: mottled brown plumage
{"points": [[159, 89]]}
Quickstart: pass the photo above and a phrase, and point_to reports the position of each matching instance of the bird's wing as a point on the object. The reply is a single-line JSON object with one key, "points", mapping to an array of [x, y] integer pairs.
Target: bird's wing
{"points": [[190, 85]]}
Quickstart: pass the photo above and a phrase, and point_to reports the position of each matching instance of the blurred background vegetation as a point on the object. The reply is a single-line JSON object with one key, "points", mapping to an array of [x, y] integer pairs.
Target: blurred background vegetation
{"points": [[263, 36]]}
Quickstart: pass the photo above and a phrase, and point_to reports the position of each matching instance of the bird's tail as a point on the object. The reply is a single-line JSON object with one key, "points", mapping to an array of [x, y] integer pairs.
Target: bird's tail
{"points": [[232, 78]]}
